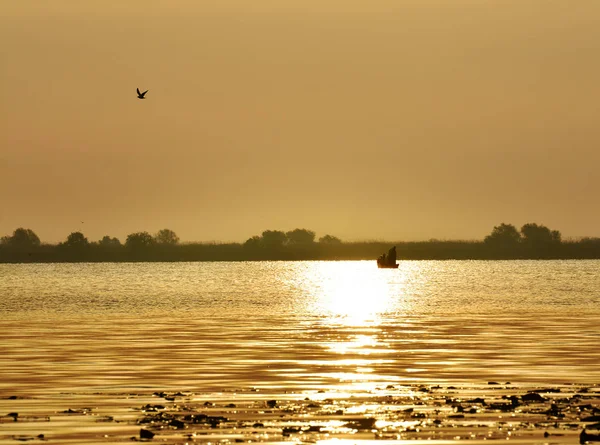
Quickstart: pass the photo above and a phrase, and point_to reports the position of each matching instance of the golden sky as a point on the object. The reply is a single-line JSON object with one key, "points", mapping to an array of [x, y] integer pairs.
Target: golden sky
{"points": [[379, 119]]}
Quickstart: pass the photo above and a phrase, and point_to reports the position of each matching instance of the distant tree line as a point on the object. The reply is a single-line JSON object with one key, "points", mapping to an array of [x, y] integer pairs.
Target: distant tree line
{"points": [[25, 246], [532, 238], [532, 241]]}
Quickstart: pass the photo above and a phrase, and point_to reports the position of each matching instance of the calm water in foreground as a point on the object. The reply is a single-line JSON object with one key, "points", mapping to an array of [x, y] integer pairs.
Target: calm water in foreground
{"points": [[296, 325]]}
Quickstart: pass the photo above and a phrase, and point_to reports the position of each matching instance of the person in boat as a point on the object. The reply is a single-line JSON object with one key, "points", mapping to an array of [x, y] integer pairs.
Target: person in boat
{"points": [[391, 256]]}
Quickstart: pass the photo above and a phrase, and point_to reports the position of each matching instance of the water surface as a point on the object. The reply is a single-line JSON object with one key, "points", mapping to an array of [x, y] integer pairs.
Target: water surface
{"points": [[296, 325]]}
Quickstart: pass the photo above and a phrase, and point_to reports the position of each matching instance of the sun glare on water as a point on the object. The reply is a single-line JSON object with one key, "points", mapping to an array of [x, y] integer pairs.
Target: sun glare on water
{"points": [[353, 301], [353, 294]]}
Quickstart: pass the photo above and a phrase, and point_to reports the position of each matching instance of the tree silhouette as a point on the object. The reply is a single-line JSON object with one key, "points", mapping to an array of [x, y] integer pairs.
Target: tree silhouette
{"points": [[330, 239], [166, 237], [505, 235], [255, 241], [107, 241], [300, 237], [139, 240], [539, 236], [273, 238], [22, 238], [76, 240]]}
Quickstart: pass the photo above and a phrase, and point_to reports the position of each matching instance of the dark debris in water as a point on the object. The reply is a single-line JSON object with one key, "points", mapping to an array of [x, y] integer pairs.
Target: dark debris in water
{"points": [[402, 413], [491, 411]]}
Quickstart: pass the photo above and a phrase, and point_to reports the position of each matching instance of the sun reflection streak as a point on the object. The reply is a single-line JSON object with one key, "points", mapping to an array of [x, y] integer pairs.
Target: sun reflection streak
{"points": [[353, 302], [353, 293]]}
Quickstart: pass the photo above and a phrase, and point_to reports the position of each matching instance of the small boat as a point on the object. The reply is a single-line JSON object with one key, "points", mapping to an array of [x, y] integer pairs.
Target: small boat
{"points": [[388, 261], [387, 266]]}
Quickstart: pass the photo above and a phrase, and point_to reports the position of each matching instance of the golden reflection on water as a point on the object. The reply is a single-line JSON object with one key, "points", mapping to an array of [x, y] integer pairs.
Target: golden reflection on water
{"points": [[352, 299], [295, 326], [354, 296]]}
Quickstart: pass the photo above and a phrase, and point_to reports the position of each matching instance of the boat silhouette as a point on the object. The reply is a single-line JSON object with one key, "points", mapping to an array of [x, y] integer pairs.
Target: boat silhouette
{"points": [[388, 261]]}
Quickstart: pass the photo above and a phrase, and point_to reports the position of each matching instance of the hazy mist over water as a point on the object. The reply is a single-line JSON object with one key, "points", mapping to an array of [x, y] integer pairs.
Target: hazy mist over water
{"points": [[286, 325]]}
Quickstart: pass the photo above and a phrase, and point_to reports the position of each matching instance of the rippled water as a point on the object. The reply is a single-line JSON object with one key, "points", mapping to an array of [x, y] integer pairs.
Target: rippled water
{"points": [[296, 325]]}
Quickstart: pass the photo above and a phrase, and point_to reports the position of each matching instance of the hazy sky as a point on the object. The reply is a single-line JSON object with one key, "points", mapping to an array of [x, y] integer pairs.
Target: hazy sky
{"points": [[378, 119]]}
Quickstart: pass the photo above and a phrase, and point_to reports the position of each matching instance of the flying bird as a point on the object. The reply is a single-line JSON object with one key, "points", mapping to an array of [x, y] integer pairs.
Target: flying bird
{"points": [[141, 95]]}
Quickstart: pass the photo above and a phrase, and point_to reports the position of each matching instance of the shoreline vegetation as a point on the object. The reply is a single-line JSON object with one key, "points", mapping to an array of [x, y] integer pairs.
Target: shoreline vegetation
{"points": [[505, 242]]}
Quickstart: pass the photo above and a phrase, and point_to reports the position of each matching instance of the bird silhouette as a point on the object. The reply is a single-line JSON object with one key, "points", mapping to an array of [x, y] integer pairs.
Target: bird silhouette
{"points": [[141, 95]]}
